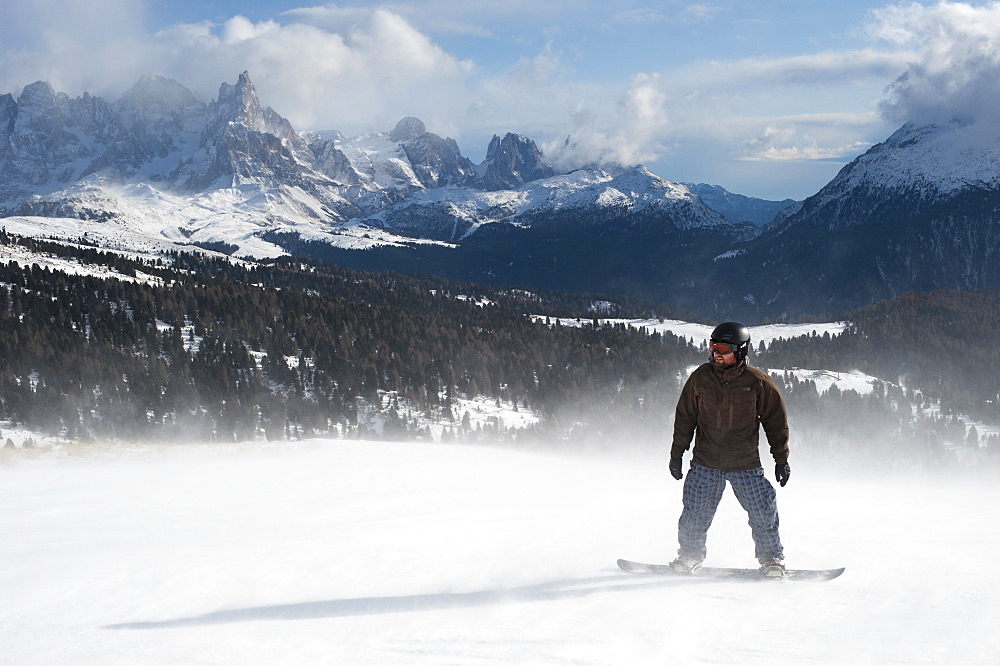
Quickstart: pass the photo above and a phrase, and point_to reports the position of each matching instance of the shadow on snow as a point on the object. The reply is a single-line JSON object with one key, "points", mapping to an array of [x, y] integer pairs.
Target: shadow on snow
{"points": [[312, 610]]}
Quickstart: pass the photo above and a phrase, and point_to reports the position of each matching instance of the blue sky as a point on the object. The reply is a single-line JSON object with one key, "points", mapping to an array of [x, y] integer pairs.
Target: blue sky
{"points": [[766, 98]]}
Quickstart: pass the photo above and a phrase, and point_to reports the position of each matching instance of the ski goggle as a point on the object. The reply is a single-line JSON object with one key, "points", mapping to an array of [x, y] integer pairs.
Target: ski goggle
{"points": [[722, 348]]}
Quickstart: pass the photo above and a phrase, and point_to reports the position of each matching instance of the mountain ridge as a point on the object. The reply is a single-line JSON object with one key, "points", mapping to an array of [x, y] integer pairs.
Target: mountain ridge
{"points": [[740, 208], [318, 183], [916, 212]]}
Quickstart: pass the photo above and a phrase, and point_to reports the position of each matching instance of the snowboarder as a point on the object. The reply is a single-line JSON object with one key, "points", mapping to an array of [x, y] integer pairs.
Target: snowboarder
{"points": [[722, 405]]}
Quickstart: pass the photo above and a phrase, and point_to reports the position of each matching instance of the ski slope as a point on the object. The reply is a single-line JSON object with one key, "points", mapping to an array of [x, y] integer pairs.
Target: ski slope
{"points": [[347, 552]]}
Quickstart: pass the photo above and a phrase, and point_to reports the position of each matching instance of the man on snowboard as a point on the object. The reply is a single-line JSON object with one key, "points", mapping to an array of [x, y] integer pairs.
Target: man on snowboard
{"points": [[722, 406]]}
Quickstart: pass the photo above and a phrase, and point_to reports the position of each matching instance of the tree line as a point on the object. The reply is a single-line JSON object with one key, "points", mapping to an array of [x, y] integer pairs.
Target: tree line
{"points": [[190, 346], [930, 351], [221, 349], [935, 342]]}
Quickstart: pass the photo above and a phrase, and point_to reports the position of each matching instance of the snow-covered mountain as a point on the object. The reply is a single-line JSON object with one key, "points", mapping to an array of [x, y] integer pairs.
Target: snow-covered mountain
{"points": [[158, 166], [935, 160], [233, 171], [452, 213], [737, 207], [915, 213], [916, 170]]}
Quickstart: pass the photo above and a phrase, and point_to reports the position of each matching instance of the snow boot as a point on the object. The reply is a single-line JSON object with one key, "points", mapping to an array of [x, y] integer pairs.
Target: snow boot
{"points": [[772, 568], [685, 564]]}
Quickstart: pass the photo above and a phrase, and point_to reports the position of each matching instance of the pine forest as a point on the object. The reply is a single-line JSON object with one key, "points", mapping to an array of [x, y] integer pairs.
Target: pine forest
{"points": [[197, 348]]}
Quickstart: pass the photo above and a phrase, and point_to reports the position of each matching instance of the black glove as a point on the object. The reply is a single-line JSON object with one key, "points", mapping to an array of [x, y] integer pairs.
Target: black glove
{"points": [[781, 472], [675, 468]]}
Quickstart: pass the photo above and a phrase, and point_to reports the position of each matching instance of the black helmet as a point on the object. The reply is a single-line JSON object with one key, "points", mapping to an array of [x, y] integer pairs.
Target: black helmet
{"points": [[735, 334]]}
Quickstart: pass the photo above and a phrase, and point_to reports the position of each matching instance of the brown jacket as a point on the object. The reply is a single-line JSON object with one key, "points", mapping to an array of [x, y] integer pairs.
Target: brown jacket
{"points": [[726, 408]]}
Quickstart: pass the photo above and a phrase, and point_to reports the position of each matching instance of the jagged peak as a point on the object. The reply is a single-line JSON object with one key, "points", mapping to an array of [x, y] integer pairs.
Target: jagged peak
{"points": [[510, 141], [512, 161], [243, 93], [237, 104]]}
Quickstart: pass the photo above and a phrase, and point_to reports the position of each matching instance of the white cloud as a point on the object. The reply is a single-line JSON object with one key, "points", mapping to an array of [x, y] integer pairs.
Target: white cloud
{"points": [[688, 13], [372, 70], [356, 70], [239, 29], [700, 12], [955, 69], [639, 16], [72, 45], [629, 133], [787, 144], [811, 69], [329, 17]]}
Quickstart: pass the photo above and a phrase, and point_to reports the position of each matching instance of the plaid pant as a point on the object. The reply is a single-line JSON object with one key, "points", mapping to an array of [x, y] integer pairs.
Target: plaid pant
{"points": [[703, 488]]}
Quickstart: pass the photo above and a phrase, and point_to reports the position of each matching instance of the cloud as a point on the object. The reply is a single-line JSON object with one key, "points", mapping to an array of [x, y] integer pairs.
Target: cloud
{"points": [[826, 68], [787, 143], [369, 70], [630, 134], [955, 70], [443, 18], [700, 12], [782, 109], [639, 16], [72, 45], [797, 108], [356, 70], [533, 94], [688, 13]]}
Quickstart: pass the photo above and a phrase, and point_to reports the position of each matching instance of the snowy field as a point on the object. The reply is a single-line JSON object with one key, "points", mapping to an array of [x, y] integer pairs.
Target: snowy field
{"points": [[338, 552], [698, 333]]}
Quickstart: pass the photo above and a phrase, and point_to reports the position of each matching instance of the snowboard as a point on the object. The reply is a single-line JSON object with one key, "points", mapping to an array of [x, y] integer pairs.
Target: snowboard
{"points": [[727, 572]]}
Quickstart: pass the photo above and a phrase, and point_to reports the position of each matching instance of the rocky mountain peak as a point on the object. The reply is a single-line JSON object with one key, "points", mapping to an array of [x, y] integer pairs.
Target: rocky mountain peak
{"points": [[407, 129], [236, 104], [37, 106], [48, 139], [513, 161]]}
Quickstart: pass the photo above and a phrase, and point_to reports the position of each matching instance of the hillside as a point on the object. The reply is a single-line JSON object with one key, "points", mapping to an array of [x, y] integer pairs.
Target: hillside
{"points": [[214, 349], [100, 346]]}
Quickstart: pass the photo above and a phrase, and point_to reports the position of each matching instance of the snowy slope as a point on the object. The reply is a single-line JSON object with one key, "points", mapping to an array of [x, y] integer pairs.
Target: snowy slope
{"points": [[382, 162], [145, 217], [380, 553], [24, 257], [453, 213], [931, 159], [139, 214]]}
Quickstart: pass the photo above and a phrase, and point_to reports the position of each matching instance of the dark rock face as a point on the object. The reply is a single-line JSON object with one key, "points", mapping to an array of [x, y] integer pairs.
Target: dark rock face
{"points": [[512, 162]]}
